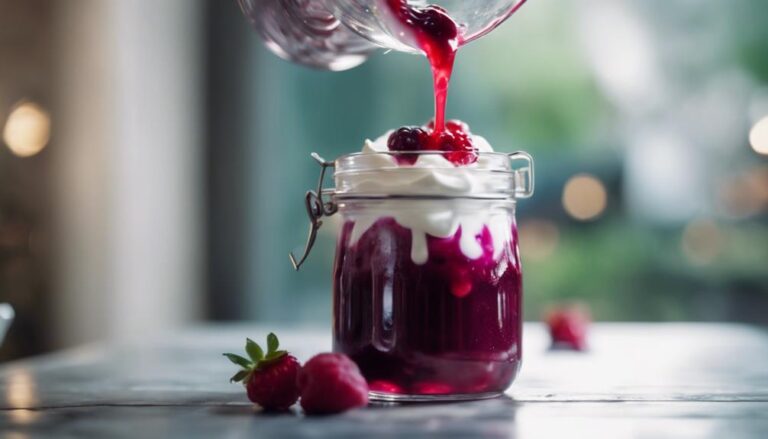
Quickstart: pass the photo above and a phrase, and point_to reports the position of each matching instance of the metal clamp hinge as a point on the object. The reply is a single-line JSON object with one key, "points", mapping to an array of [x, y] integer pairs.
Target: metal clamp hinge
{"points": [[317, 208]]}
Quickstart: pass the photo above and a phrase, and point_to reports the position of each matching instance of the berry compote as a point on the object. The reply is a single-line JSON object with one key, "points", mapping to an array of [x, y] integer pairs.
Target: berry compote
{"points": [[455, 142], [448, 328]]}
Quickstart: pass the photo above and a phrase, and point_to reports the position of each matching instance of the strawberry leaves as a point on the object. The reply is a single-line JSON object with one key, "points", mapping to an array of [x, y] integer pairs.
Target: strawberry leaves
{"points": [[240, 361], [257, 359], [254, 350], [239, 376], [272, 342]]}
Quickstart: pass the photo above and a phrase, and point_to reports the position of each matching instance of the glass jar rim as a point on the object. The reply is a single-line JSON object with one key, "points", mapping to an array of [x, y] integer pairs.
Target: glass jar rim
{"points": [[371, 161], [377, 175]]}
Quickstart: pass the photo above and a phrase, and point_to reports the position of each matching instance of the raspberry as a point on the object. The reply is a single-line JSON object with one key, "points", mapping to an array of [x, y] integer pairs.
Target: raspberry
{"points": [[331, 383], [455, 141], [269, 379], [568, 328], [457, 146]]}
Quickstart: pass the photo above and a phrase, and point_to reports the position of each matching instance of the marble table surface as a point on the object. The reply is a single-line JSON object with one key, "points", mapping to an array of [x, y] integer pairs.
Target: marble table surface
{"points": [[637, 381]]}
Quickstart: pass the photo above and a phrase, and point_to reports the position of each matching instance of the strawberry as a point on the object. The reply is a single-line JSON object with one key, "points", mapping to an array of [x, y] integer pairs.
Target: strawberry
{"points": [[269, 379], [568, 327], [331, 383]]}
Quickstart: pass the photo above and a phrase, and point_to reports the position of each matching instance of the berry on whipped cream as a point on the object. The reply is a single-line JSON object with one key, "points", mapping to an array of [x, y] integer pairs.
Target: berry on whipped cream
{"points": [[434, 173]]}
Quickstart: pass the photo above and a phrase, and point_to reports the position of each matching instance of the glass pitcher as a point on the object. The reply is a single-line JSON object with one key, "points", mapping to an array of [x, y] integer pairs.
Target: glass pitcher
{"points": [[342, 34]]}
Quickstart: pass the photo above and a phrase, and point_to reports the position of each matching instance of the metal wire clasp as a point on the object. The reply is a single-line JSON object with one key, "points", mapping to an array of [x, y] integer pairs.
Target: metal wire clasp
{"points": [[316, 210]]}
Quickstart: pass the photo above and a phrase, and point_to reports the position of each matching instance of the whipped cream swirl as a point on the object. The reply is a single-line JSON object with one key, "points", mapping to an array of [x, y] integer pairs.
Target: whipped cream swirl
{"points": [[433, 174]]}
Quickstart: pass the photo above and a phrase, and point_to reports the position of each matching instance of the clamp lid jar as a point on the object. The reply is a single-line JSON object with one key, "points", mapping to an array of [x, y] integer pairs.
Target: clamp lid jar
{"points": [[427, 282]]}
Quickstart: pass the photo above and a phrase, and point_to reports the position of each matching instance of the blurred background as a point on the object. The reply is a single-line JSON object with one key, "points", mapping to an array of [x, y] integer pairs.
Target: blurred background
{"points": [[154, 158]]}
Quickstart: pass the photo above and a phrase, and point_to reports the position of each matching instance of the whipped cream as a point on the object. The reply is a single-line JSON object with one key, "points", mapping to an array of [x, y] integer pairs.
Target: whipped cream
{"points": [[433, 174]]}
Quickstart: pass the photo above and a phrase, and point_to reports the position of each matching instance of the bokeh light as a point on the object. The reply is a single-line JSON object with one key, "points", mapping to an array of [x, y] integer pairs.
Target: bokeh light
{"points": [[539, 238], [758, 136], [27, 129], [585, 197], [702, 242], [21, 394], [745, 194]]}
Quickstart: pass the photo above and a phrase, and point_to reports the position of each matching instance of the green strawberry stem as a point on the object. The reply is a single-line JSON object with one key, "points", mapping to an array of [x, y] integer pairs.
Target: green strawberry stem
{"points": [[257, 359]]}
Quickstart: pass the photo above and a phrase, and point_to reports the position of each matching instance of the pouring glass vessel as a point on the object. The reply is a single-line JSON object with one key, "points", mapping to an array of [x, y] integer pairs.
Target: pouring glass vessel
{"points": [[342, 34]]}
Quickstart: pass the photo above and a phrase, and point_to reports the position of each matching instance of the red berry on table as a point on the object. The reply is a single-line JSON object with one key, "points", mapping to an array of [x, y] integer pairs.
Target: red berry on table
{"points": [[331, 383], [270, 378], [568, 327]]}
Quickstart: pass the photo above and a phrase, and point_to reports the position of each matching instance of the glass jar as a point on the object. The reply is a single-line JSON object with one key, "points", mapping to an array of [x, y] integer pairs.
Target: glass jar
{"points": [[427, 283]]}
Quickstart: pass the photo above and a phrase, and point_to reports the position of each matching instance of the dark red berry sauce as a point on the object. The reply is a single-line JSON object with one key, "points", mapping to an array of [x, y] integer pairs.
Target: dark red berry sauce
{"points": [[438, 36], [449, 326]]}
